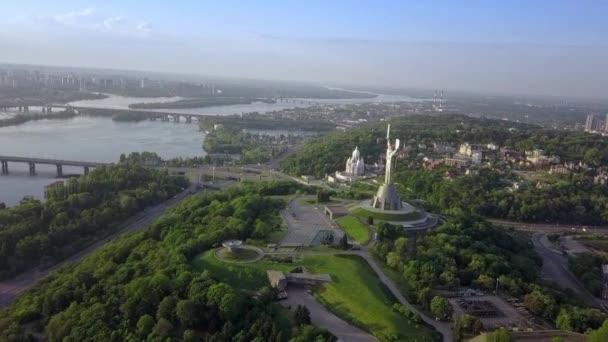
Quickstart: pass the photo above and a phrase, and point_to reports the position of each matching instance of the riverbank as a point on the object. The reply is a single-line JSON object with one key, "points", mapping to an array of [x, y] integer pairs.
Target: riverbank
{"points": [[23, 118], [199, 103]]}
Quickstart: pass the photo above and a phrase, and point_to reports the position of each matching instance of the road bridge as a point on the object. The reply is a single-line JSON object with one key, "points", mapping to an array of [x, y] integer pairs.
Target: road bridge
{"points": [[297, 101], [152, 115], [4, 160]]}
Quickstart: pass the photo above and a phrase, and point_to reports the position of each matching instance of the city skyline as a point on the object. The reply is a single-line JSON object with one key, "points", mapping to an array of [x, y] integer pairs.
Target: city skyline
{"points": [[513, 48]]}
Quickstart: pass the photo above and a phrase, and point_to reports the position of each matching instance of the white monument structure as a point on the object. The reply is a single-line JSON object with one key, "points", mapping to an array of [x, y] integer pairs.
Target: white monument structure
{"points": [[355, 165], [355, 168], [387, 197]]}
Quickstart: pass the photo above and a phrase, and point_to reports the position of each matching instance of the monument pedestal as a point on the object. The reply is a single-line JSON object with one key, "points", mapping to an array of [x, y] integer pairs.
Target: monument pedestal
{"points": [[387, 198]]}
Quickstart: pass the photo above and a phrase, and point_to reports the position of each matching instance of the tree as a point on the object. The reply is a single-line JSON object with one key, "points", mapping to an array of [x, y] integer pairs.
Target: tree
{"points": [[424, 297], [166, 308], [563, 320], [190, 336], [162, 328], [441, 307], [401, 246], [301, 315], [536, 302], [344, 242], [500, 335], [145, 324], [186, 313], [601, 334]]}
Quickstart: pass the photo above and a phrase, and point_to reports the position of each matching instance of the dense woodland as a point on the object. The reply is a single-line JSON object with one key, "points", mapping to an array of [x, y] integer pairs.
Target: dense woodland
{"points": [[468, 251], [74, 215], [329, 151], [588, 269], [143, 288], [252, 148], [574, 199]]}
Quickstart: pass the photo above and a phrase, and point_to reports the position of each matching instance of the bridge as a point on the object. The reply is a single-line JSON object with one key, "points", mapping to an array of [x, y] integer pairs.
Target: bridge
{"points": [[152, 115], [296, 101], [24, 107], [4, 160]]}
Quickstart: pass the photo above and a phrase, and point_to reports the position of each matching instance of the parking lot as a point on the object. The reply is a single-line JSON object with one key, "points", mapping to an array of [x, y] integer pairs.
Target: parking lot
{"points": [[493, 311], [307, 225]]}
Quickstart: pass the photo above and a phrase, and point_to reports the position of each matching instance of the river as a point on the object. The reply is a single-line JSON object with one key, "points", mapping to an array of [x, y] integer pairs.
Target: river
{"points": [[122, 102], [101, 139], [85, 138]]}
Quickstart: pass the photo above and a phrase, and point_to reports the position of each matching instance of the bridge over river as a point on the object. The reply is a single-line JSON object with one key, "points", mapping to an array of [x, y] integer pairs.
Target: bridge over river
{"points": [[4, 160], [23, 106]]}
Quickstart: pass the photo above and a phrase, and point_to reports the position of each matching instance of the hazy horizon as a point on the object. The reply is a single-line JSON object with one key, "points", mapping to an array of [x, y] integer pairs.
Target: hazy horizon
{"points": [[555, 49]]}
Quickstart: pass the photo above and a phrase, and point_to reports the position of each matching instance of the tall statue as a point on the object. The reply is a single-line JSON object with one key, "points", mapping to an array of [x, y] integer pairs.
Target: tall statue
{"points": [[390, 153], [387, 197]]}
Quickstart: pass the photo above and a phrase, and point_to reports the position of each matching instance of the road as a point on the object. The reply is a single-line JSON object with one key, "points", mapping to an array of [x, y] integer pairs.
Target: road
{"points": [[547, 227], [11, 288], [323, 318], [443, 327], [555, 268]]}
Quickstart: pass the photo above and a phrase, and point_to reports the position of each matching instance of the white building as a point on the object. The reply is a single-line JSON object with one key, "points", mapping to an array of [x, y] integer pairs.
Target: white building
{"points": [[355, 165], [355, 168]]}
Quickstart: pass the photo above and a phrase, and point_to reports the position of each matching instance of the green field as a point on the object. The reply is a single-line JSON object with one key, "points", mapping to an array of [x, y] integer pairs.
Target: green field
{"points": [[356, 295], [239, 254], [385, 216], [354, 228]]}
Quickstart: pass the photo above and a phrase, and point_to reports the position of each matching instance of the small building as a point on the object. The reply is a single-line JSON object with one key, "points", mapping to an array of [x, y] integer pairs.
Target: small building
{"points": [[277, 279], [559, 170], [336, 211]]}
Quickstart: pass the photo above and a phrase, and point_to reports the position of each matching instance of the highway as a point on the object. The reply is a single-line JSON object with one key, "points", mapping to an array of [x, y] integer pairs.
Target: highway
{"points": [[555, 268], [11, 288], [547, 227]]}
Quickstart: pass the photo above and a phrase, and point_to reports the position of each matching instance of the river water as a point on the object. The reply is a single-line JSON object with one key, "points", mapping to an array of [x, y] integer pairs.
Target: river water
{"points": [[122, 102], [85, 138], [100, 139]]}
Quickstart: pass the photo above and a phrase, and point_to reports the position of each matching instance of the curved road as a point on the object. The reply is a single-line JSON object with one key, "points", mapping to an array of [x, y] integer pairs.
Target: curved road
{"points": [[11, 288], [555, 268]]}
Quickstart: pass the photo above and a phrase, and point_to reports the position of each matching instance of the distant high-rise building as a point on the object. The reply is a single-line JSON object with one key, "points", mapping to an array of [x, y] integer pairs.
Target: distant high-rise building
{"points": [[606, 124], [589, 123]]}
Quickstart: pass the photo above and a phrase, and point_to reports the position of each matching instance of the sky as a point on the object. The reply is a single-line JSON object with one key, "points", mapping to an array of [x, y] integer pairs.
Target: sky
{"points": [[520, 47]]}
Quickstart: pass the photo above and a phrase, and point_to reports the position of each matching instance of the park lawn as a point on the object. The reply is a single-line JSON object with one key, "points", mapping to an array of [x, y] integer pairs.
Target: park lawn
{"points": [[355, 294], [354, 228]]}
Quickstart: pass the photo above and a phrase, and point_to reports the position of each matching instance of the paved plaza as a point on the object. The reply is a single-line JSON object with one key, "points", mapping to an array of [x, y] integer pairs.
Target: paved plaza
{"points": [[307, 225]]}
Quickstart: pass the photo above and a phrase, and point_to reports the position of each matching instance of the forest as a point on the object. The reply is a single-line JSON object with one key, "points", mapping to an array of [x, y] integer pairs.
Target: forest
{"points": [[252, 148], [142, 287], [77, 213], [468, 251], [330, 151], [574, 200]]}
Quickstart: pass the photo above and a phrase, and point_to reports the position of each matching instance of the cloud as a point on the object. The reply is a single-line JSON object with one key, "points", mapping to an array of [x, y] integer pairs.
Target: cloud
{"points": [[112, 22], [75, 14], [74, 24]]}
